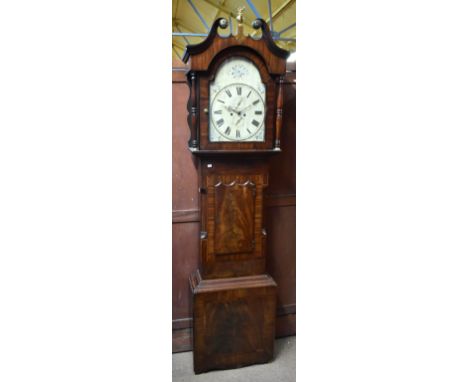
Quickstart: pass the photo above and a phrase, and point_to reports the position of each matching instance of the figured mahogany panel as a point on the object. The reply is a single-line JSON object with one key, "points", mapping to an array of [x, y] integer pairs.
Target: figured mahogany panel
{"points": [[182, 339], [234, 321], [232, 241], [234, 217]]}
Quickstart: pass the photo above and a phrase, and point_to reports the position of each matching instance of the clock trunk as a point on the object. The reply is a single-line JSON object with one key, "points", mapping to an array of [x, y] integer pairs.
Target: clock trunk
{"points": [[231, 203]]}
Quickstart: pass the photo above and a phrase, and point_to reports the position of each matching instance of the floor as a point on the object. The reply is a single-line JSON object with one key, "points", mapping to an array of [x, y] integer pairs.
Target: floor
{"points": [[281, 369]]}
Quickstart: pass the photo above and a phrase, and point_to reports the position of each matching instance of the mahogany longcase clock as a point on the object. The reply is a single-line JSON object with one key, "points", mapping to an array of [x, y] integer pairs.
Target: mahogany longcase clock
{"points": [[235, 120]]}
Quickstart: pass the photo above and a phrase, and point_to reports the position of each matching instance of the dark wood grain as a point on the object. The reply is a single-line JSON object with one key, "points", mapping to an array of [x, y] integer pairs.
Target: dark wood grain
{"points": [[234, 206], [247, 177], [185, 323], [193, 110], [279, 112], [182, 337], [283, 166], [233, 321], [199, 56]]}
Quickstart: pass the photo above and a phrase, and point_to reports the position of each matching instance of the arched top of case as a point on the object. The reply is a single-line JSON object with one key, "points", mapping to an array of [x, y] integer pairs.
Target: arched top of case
{"points": [[199, 56]]}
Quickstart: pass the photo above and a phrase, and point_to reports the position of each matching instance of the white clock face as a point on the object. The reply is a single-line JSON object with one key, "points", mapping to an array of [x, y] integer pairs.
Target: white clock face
{"points": [[237, 103]]}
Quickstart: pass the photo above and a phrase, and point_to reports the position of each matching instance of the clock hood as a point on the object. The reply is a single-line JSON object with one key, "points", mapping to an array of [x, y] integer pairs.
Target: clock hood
{"points": [[274, 56]]}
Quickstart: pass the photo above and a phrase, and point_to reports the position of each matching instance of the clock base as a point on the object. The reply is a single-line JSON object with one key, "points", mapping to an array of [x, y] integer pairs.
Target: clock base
{"points": [[233, 321]]}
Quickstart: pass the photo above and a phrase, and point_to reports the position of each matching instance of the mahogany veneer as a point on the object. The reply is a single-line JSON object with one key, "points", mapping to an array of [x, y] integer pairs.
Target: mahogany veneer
{"points": [[235, 321]]}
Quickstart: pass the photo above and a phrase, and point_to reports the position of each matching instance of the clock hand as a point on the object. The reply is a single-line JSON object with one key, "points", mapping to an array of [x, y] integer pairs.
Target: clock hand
{"points": [[245, 108], [230, 109]]}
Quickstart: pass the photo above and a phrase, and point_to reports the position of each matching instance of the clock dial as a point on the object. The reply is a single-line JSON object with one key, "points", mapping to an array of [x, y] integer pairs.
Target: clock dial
{"points": [[236, 116], [237, 103]]}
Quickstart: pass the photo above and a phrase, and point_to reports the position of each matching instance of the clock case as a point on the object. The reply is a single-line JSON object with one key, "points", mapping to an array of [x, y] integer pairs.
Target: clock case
{"points": [[233, 298]]}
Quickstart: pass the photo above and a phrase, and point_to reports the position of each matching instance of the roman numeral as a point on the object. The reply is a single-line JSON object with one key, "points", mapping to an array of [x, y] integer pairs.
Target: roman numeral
{"points": [[255, 102], [256, 123], [227, 131], [220, 111], [258, 112], [239, 90], [221, 101], [228, 93], [249, 131], [220, 122], [237, 134], [250, 92]]}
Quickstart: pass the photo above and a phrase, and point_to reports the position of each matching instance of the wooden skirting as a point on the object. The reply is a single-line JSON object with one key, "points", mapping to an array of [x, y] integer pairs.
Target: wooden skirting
{"points": [[185, 216], [178, 75], [182, 328], [182, 340], [280, 200]]}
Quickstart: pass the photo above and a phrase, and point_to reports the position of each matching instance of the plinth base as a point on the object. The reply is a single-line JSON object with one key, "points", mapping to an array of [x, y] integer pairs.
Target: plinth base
{"points": [[233, 321]]}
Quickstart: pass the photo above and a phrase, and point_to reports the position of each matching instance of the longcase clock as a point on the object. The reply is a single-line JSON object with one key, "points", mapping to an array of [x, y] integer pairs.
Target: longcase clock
{"points": [[235, 120]]}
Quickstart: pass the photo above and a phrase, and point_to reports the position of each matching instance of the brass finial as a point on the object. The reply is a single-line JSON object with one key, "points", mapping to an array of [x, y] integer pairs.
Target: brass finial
{"points": [[240, 14], [240, 21]]}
